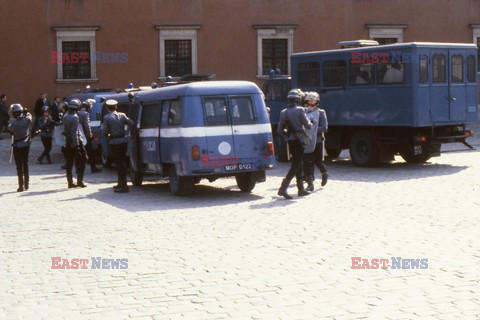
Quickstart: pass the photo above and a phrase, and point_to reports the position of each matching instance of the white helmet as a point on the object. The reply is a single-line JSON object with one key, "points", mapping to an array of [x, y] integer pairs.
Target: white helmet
{"points": [[312, 96]]}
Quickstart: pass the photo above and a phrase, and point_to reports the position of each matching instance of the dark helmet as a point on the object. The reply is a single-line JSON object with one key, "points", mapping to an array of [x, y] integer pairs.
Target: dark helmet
{"points": [[45, 109], [86, 104], [17, 109], [295, 96], [74, 104], [111, 104]]}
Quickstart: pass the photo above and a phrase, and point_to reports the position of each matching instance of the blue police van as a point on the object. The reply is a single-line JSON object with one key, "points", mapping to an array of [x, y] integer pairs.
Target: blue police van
{"points": [[406, 99], [200, 130], [99, 142]]}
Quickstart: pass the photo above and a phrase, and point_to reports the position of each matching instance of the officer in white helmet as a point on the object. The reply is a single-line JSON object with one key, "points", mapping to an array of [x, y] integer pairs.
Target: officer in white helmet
{"points": [[314, 151], [292, 124], [113, 128], [20, 130]]}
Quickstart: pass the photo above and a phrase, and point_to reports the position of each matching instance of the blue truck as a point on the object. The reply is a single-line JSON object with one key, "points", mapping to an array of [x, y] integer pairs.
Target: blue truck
{"points": [[406, 99]]}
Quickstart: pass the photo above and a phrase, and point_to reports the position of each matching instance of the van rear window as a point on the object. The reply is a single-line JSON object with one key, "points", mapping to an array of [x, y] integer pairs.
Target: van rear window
{"points": [[439, 69], [175, 113], [241, 109], [215, 110], [471, 72]]}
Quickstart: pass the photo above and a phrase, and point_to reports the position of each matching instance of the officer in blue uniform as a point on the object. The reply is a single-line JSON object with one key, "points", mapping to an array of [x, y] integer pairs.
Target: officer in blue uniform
{"points": [[74, 150], [84, 117], [293, 123], [113, 128], [20, 130], [46, 125]]}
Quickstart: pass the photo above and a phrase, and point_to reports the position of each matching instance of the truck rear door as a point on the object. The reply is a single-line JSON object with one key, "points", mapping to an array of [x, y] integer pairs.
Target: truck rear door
{"points": [[439, 89], [457, 86]]}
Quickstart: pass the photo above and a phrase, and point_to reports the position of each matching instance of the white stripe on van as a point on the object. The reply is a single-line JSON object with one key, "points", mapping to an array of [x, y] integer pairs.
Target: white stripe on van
{"points": [[206, 131], [95, 123]]}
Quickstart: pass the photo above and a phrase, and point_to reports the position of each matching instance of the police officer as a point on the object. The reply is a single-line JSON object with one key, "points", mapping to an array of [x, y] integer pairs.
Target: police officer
{"points": [[20, 130], [74, 150], [113, 128], [314, 151], [84, 117], [292, 124], [46, 125]]}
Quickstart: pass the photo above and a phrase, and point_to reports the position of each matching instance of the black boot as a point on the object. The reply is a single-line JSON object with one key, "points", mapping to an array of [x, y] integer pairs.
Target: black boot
{"points": [[301, 189], [309, 180], [70, 182], [40, 160], [49, 159], [324, 178], [20, 184], [27, 180], [80, 183], [283, 190]]}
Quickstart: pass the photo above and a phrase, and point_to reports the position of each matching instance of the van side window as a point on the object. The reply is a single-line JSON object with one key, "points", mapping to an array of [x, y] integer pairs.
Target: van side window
{"points": [[423, 69], [334, 73], [241, 109], [439, 70], [308, 74], [215, 110], [361, 73], [457, 68], [471, 73], [175, 113], [151, 114], [390, 72]]}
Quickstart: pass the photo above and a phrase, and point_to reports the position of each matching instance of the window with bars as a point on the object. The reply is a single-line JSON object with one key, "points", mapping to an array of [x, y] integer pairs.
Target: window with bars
{"points": [[275, 55], [383, 41], [178, 57], [76, 69]]}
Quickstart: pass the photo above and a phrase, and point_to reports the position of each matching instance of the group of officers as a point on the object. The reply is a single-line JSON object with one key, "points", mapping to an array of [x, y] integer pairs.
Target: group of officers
{"points": [[78, 139], [303, 124]]}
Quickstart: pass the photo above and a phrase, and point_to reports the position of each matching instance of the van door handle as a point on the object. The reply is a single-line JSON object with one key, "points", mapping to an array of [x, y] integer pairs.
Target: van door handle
{"points": [[452, 98]]}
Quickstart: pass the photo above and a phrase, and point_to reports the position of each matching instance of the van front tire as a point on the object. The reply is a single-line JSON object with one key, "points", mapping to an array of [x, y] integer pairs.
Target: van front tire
{"points": [[245, 182]]}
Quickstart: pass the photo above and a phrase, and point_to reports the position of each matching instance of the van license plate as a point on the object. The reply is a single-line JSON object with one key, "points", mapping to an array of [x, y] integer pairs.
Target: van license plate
{"points": [[239, 167], [417, 150]]}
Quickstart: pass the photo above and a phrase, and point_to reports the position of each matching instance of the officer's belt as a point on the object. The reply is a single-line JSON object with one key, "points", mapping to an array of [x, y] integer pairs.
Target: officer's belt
{"points": [[19, 140]]}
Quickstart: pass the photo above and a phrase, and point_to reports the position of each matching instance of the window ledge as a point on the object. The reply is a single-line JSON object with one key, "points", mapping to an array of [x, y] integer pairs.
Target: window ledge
{"points": [[262, 76], [164, 79], [76, 80]]}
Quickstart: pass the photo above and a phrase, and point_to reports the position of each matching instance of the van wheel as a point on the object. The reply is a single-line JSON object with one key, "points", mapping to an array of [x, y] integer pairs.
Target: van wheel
{"points": [[410, 157], [245, 182], [179, 186], [333, 153], [364, 149], [135, 175]]}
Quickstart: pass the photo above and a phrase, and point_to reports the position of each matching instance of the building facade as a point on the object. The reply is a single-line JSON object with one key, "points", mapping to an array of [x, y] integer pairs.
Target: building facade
{"points": [[59, 46]]}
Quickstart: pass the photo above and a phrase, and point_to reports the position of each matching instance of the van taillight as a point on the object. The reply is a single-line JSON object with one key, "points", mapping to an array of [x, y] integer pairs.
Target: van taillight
{"points": [[95, 138], [195, 153], [271, 150]]}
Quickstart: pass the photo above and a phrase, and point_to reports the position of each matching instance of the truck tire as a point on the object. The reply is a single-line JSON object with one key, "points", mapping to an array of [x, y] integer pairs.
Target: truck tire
{"points": [[364, 149], [409, 157], [333, 153], [245, 182], [179, 186], [136, 175]]}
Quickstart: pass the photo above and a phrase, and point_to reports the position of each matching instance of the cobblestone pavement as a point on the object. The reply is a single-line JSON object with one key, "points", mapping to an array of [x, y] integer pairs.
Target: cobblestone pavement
{"points": [[221, 254]]}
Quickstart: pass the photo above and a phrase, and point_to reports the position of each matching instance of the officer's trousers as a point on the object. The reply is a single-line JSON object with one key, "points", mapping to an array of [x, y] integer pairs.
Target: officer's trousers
{"points": [[120, 154], [47, 146], [75, 156], [296, 169], [312, 159], [21, 161]]}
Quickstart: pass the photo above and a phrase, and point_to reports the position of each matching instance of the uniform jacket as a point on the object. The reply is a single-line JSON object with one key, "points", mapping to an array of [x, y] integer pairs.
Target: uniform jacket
{"points": [[84, 118], [3, 112], [296, 117], [114, 127], [312, 132], [71, 129], [20, 129], [46, 127]]}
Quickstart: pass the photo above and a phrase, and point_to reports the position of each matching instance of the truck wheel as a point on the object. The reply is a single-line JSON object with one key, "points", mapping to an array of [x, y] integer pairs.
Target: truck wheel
{"points": [[409, 157], [179, 186], [333, 153], [136, 175], [363, 149], [245, 182]]}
